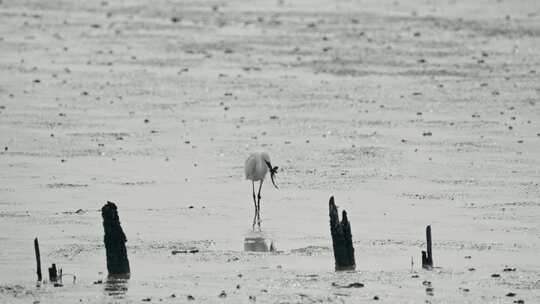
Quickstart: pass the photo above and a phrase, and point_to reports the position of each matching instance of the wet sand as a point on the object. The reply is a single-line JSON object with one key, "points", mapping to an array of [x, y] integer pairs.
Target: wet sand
{"points": [[409, 112]]}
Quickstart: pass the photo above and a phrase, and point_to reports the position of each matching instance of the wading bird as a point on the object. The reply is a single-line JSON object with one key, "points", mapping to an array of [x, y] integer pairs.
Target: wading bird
{"points": [[256, 167]]}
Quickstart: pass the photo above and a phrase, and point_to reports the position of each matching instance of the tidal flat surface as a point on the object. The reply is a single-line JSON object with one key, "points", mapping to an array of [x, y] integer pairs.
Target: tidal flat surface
{"points": [[411, 113]]}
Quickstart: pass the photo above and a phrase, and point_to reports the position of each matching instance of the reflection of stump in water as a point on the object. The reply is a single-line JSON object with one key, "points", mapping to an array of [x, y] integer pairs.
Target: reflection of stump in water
{"points": [[117, 285], [256, 242]]}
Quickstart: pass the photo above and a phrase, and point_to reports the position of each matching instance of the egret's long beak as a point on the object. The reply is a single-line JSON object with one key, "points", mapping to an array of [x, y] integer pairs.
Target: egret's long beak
{"points": [[273, 171]]}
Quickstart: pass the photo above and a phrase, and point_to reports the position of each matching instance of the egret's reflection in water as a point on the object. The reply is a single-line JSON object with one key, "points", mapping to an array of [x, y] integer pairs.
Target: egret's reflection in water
{"points": [[258, 242], [117, 285]]}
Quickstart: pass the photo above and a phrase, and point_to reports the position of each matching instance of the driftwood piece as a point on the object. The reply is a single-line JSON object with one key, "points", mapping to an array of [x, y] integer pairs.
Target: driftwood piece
{"points": [[38, 260], [341, 239], [115, 239], [427, 256]]}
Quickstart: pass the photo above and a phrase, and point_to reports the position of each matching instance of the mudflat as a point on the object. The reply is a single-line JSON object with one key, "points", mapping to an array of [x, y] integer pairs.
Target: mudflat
{"points": [[411, 113]]}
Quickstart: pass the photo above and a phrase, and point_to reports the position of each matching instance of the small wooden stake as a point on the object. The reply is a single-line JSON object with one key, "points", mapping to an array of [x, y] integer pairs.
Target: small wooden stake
{"points": [[38, 259], [341, 239], [429, 252], [427, 257]]}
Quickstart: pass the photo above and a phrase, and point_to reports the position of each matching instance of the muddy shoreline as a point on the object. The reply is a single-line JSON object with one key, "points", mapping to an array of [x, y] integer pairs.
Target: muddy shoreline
{"points": [[410, 113]]}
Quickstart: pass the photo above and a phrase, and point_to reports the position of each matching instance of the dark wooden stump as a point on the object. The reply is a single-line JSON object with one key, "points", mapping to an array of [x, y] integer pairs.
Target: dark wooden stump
{"points": [[38, 260], [341, 239], [427, 257], [115, 239], [53, 273]]}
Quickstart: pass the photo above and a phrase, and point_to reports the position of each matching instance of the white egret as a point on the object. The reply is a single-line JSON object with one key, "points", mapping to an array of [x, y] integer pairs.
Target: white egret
{"points": [[256, 167]]}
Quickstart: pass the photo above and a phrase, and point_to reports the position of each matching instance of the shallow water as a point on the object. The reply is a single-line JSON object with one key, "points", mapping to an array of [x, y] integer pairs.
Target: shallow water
{"points": [[409, 113]]}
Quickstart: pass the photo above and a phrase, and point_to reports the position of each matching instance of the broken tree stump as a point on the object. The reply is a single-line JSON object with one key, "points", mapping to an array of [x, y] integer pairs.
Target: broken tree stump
{"points": [[341, 239], [38, 259], [115, 239], [55, 276], [53, 273], [427, 257]]}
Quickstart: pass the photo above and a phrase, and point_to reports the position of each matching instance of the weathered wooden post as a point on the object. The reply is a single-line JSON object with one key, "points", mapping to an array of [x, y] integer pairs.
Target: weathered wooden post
{"points": [[53, 273], [427, 257], [341, 239], [115, 239], [38, 259]]}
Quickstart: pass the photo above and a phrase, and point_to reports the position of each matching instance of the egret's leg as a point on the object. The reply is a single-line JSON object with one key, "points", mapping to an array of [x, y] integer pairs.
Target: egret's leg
{"points": [[259, 205], [255, 203]]}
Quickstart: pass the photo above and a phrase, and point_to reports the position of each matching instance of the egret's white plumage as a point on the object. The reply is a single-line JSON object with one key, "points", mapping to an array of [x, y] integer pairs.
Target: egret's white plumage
{"points": [[256, 167]]}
